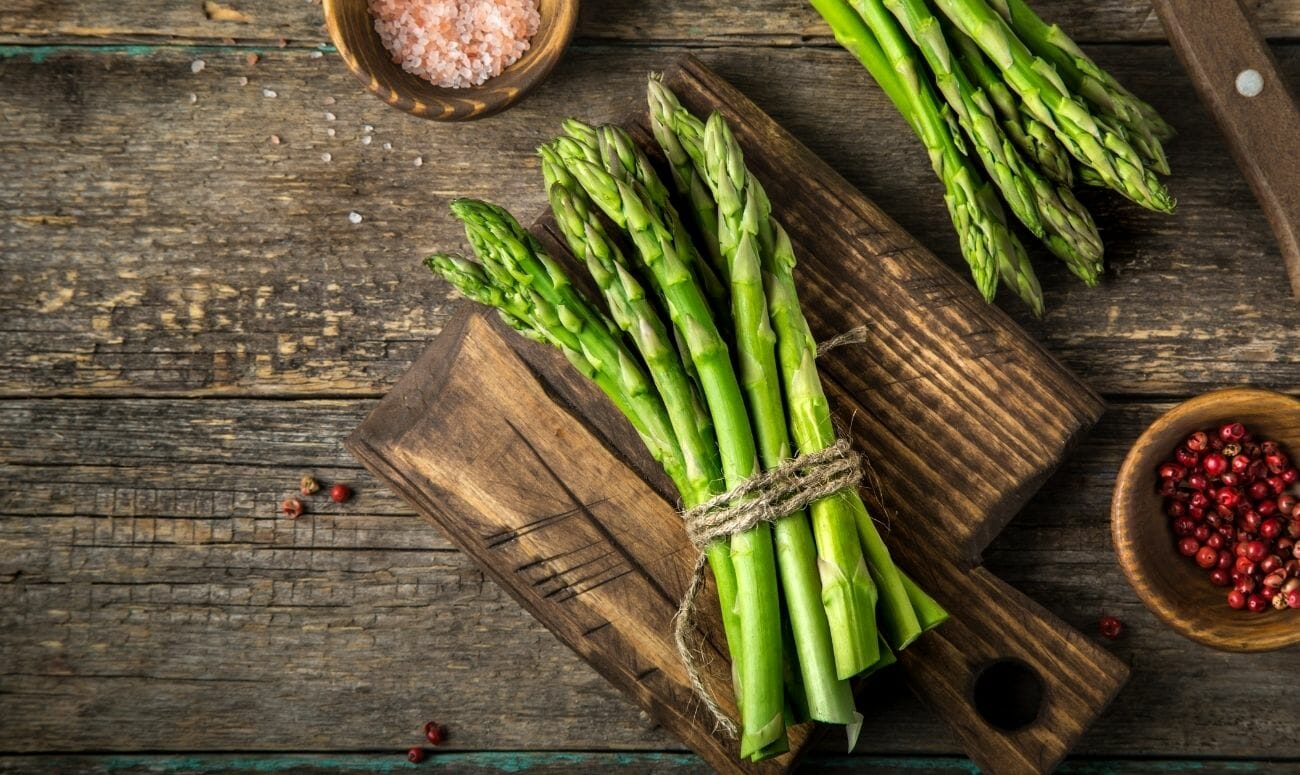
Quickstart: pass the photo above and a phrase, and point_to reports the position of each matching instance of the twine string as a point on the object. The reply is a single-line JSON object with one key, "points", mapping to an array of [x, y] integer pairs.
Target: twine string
{"points": [[765, 497]]}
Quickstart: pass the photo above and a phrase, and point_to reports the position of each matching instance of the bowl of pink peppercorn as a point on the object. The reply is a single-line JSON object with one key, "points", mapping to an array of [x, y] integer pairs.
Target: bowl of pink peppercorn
{"points": [[1206, 519]]}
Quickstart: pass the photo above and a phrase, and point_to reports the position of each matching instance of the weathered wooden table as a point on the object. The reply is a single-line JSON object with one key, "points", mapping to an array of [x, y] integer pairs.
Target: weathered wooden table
{"points": [[190, 321]]}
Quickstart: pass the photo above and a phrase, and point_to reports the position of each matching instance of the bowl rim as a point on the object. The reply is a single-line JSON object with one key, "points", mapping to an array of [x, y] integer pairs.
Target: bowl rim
{"points": [[1126, 481], [565, 20]]}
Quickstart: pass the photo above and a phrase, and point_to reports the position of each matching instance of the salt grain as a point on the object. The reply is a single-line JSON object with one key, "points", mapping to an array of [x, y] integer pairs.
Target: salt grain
{"points": [[328, 101], [388, 146], [354, 217], [269, 93], [329, 116], [197, 66], [419, 160], [367, 128], [316, 54], [275, 139], [455, 43], [329, 132], [326, 156], [243, 80], [366, 140], [193, 98]]}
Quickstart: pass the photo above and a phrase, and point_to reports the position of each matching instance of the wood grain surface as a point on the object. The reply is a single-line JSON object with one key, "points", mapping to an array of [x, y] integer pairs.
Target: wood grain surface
{"points": [[764, 22], [148, 191], [150, 591], [189, 322]]}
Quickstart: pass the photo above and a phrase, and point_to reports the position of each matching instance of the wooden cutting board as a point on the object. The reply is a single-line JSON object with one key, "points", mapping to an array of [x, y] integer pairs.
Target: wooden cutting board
{"points": [[533, 473]]}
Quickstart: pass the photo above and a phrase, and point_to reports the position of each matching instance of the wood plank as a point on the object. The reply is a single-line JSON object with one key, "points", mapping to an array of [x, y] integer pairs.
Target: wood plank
{"points": [[140, 561], [778, 22], [582, 763], [160, 247]]}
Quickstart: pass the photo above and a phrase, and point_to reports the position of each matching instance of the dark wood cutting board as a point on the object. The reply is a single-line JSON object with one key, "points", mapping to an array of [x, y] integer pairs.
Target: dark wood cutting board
{"points": [[533, 473]]}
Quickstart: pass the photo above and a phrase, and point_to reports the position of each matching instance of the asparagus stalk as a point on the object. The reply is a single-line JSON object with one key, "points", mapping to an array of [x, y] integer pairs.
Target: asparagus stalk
{"points": [[1096, 85], [1034, 138], [1051, 212], [686, 179], [633, 312], [828, 697], [973, 111], [835, 519], [751, 551], [534, 291], [991, 250], [1049, 100], [610, 147], [810, 419]]}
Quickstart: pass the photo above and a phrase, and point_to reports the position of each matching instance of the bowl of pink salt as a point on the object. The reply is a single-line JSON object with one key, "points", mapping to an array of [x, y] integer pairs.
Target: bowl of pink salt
{"points": [[451, 60]]}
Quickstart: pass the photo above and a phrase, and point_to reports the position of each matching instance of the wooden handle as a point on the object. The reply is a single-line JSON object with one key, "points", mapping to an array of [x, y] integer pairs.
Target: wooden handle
{"points": [[1016, 684], [1237, 78]]}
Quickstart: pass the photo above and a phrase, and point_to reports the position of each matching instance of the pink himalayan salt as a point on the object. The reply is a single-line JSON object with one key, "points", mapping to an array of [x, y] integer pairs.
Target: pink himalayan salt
{"points": [[455, 43]]}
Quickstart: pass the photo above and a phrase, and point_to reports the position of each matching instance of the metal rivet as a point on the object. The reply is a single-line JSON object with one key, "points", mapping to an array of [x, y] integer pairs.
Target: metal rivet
{"points": [[1249, 83]]}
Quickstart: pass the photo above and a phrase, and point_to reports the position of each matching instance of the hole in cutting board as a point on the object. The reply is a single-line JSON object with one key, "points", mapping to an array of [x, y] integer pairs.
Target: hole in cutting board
{"points": [[1008, 694]]}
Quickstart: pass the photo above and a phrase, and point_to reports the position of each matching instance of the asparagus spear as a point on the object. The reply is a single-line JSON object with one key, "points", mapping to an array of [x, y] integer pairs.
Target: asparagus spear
{"points": [[610, 147], [517, 277], [828, 698], [1048, 99], [1051, 212], [686, 179], [991, 250], [751, 551], [973, 111], [1096, 85], [633, 312], [1034, 138], [809, 412]]}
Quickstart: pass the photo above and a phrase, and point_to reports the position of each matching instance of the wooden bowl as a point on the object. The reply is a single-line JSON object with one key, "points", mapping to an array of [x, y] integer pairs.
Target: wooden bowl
{"points": [[1173, 587], [353, 32]]}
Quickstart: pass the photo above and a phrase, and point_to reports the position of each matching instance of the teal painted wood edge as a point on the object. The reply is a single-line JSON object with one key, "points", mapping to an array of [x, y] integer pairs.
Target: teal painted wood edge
{"points": [[528, 761]]}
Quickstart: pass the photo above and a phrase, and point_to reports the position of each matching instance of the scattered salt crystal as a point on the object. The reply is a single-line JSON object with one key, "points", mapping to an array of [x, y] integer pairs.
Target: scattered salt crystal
{"points": [[367, 128], [275, 139], [326, 156], [243, 80], [354, 217], [329, 116], [269, 93], [193, 98], [419, 160], [455, 43], [388, 146], [328, 101], [316, 54], [329, 132], [197, 66], [365, 140]]}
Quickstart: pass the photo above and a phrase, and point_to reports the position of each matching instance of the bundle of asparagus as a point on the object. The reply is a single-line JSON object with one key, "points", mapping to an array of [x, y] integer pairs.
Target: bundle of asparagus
{"points": [[990, 80], [699, 339]]}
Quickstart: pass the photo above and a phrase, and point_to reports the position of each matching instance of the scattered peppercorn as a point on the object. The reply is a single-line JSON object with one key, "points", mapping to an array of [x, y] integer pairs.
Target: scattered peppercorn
{"points": [[308, 485], [1229, 509], [415, 755], [1111, 627], [292, 508], [434, 733], [340, 493]]}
